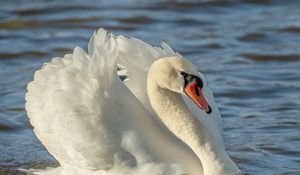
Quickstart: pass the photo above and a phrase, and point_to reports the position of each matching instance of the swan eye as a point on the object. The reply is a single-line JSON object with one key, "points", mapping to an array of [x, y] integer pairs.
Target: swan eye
{"points": [[188, 78], [183, 74]]}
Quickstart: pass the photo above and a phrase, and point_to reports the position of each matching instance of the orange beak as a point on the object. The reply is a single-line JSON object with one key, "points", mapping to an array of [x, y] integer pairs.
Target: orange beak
{"points": [[195, 93]]}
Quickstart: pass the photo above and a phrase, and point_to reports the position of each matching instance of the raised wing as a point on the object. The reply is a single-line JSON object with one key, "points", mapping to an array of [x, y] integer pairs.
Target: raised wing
{"points": [[70, 104]]}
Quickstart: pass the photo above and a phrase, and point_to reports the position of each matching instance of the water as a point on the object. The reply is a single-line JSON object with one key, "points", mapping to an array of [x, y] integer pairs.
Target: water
{"points": [[249, 51]]}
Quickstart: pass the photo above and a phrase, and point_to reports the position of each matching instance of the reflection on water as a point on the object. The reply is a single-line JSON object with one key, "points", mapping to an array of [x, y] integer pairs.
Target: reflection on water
{"points": [[249, 51]]}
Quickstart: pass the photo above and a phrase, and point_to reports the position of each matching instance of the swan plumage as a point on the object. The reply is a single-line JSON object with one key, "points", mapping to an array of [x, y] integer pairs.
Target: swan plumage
{"points": [[94, 123]]}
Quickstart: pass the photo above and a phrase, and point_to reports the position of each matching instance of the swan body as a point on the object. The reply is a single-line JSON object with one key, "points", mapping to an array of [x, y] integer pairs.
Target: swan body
{"points": [[160, 120]]}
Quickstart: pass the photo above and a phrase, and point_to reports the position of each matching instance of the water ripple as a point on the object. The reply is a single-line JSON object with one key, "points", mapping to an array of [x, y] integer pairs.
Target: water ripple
{"points": [[248, 50]]}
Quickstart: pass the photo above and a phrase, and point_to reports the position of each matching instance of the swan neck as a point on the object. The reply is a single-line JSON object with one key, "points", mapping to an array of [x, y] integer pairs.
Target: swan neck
{"points": [[173, 112]]}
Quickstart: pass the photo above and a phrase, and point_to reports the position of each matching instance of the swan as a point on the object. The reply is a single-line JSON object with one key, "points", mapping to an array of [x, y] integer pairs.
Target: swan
{"points": [[159, 118]]}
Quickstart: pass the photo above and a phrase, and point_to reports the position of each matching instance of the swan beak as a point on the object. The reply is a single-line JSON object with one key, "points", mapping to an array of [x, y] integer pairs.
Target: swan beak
{"points": [[194, 91]]}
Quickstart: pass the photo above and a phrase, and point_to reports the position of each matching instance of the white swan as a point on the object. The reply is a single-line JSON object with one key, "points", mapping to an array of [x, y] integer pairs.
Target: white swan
{"points": [[161, 120]]}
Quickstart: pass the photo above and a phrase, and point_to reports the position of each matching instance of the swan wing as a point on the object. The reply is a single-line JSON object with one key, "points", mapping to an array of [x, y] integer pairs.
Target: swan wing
{"points": [[71, 105]]}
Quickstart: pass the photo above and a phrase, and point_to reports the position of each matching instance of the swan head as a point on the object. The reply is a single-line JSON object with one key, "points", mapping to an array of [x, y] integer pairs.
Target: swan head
{"points": [[181, 76]]}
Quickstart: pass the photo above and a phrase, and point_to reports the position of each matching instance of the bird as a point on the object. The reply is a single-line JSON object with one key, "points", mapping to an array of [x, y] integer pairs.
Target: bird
{"points": [[125, 107]]}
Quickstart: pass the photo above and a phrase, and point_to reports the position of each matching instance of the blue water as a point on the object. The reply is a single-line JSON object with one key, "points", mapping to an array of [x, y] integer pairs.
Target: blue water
{"points": [[249, 51]]}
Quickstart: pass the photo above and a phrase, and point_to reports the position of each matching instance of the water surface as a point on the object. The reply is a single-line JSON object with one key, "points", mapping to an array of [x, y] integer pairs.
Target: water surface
{"points": [[249, 51]]}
